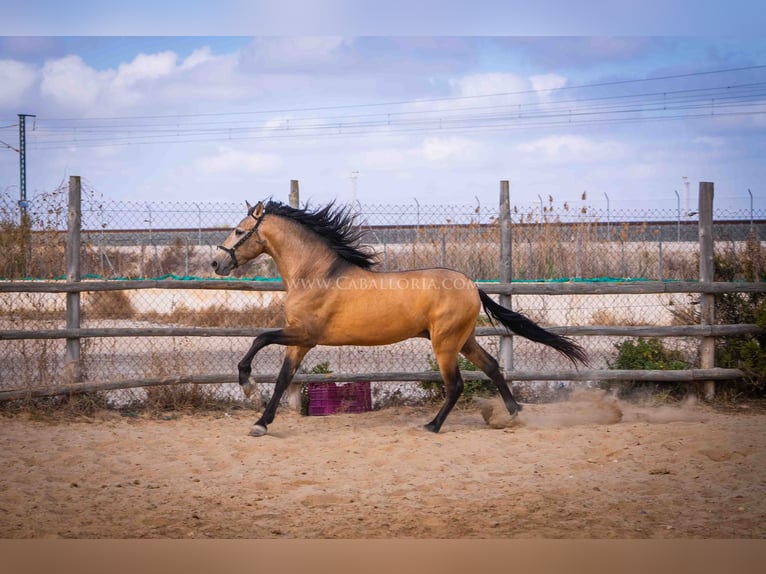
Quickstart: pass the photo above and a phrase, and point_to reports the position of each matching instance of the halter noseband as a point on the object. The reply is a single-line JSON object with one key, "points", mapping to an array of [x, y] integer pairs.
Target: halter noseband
{"points": [[248, 234]]}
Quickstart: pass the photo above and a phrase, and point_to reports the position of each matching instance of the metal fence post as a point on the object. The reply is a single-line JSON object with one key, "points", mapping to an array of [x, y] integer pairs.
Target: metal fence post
{"points": [[506, 269], [707, 271], [72, 366], [660, 271]]}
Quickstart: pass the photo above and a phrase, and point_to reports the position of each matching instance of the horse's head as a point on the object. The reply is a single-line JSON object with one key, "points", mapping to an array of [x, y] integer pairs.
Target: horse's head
{"points": [[243, 243]]}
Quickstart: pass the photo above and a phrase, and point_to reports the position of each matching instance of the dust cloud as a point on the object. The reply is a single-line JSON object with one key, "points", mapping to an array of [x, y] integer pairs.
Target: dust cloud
{"points": [[585, 407]]}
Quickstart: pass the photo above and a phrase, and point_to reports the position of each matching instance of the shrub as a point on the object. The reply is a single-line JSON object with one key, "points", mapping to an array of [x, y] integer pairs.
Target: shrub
{"points": [[14, 243], [319, 369], [747, 352], [646, 354], [108, 305]]}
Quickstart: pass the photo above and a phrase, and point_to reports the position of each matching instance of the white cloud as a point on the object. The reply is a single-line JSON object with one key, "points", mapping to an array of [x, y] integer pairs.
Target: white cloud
{"points": [[159, 79], [543, 84], [710, 141], [234, 161], [567, 148], [455, 150], [15, 79], [489, 83], [524, 90], [430, 152], [385, 158], [73, 84], [145, 67], [197, 57], [292, 52]]}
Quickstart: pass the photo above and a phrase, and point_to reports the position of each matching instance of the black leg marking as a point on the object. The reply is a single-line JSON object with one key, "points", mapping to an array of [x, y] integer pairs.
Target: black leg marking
{"points": [[453, 384], [487, 363], [293, 358], [279, 337]]}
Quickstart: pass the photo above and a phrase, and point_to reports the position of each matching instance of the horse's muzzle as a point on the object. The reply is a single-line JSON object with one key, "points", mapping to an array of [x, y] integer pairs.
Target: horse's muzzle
{"points": [[222, 265]]}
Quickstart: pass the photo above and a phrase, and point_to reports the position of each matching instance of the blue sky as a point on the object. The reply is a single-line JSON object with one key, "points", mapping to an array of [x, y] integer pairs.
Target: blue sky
{"points": [[438, 112]]}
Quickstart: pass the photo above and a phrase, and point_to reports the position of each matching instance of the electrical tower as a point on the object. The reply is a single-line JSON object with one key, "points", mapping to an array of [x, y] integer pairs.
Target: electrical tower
{"points": [[23, 163]]}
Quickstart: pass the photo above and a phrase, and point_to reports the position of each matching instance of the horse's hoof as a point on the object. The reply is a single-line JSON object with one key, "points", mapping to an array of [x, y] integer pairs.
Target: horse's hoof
{"points": [[514, 409], [248, 389], [258, 430], [431, 427]]}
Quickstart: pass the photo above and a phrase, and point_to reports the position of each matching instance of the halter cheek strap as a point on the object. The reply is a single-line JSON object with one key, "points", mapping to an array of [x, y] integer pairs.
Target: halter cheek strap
{"points": [[231, 251]]}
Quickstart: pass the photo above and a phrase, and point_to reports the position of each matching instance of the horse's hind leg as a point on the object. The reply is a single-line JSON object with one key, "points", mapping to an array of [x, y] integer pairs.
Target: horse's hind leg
{"points": [[293, 358], [486, 362], [453, 384]]}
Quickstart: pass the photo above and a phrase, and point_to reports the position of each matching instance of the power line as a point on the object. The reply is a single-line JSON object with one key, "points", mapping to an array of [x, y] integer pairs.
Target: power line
{"points": [[729, 98], [667, 96], [425, 100], [9, 146], [413, 130], [664, 105], [374, 124]]}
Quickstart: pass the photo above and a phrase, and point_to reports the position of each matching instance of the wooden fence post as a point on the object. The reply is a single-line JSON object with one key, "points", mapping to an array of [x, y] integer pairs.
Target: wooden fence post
{"points": [[73, 368], [294, 198], [294, 389], [707, 300], [506, 269]]}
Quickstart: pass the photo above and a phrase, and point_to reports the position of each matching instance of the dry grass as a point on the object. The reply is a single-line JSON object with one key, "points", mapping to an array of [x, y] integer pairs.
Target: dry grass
{"points": [[221, 316], [684, 309], [185, 398], [52, 409], [107, 305], [604, 318]]}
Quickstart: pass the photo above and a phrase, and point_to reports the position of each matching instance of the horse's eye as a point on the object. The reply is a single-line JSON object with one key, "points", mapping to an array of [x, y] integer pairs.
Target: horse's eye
{"points": [[238, 232]]}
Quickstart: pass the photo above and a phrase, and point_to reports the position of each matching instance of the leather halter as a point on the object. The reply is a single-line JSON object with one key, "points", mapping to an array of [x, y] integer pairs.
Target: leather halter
{"points": [[247, 235]]}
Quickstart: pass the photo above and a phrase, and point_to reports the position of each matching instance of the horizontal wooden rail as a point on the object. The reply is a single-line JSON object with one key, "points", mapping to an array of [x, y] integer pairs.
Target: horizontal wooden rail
{"points": [[689, 375], [131, 285], [587, 331], [622, 288], [133, 332], [575, 288]]}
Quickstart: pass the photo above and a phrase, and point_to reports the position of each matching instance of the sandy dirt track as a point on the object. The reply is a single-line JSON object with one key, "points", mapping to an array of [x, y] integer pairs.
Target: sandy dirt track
{"points": [[573, 470]]}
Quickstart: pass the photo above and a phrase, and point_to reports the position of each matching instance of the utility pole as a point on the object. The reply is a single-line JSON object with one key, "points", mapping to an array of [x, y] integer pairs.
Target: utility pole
{"points": [[23, 164]]}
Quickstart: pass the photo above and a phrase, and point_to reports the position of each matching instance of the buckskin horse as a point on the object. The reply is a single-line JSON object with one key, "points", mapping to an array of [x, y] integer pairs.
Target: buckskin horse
{"points": [[334, 297]]}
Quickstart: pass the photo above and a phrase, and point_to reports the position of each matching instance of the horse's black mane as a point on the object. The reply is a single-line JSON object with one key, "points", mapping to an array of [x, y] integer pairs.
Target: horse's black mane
{"points": [[333, 224]]}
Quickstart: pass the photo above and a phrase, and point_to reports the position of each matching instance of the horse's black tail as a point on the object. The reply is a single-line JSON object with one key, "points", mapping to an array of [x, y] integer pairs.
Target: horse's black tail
{"points": [[525, 327]]}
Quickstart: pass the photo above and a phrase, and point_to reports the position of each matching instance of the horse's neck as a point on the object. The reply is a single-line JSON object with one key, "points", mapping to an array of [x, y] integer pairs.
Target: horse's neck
{"points": [[296, 253]]}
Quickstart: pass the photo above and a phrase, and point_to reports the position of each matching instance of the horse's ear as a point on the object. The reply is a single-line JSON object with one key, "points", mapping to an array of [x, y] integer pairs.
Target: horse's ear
{"points": [[258, 210], [249, 207]]}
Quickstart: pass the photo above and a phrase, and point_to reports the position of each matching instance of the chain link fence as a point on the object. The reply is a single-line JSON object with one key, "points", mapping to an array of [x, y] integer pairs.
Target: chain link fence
{"points": [[128, 240]]}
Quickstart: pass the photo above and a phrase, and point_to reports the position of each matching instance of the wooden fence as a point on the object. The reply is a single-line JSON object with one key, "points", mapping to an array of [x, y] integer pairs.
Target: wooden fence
{"points": [[706, 331]]}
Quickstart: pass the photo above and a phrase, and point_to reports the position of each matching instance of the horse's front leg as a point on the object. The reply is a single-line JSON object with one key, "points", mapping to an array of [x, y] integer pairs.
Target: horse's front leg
{"points": [[245, 366], [293, 357]]}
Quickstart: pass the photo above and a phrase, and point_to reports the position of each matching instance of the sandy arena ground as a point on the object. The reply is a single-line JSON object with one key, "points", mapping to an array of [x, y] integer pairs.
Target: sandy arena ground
{"points": [[591, 467]]}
